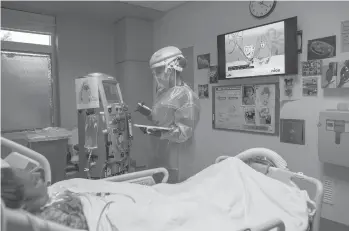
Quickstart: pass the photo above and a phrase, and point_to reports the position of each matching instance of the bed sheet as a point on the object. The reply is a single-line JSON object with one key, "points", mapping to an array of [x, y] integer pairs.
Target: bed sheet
{"points": [[226, 196]]}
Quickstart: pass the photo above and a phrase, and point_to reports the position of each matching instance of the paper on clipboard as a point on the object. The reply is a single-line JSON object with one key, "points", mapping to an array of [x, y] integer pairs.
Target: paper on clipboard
{"points": [[152, 127], [345, 36]]}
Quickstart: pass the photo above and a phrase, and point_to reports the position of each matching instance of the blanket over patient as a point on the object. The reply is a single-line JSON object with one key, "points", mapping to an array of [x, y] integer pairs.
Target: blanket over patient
{"points": [[226, 196]]}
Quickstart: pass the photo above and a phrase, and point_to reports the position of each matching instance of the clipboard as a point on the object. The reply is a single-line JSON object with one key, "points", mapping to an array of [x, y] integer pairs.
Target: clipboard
{"points": [[156, 128]]}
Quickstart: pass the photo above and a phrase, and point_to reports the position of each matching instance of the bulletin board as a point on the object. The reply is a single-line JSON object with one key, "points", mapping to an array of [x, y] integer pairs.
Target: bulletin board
{"points": [[252, 108]]}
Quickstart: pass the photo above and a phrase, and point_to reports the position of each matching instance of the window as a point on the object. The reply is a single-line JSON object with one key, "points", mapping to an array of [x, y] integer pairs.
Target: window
{"points": [[28, 90], [26, 93], [25, 37]]}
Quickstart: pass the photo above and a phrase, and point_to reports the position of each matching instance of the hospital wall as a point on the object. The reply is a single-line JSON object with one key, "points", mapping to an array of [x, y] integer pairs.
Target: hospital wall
{"points": [[84, 46], [197, 24], [133, 47]]}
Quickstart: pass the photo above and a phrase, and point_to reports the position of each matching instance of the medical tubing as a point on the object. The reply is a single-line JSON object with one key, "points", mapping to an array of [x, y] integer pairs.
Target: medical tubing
{"points": [[100, 215], [88, 164], [107, 205]]}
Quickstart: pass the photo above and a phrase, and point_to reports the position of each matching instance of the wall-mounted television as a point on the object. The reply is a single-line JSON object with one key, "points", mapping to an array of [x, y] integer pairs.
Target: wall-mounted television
{"points": [[269, 49]]}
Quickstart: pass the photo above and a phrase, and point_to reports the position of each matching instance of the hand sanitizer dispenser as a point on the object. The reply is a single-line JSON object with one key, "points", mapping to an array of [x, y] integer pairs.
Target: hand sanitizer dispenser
{"points": [[333, 136]]}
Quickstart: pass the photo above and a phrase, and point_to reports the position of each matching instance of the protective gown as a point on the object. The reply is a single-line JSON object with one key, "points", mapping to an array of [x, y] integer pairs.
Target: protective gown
{"points": [[178, 108]]}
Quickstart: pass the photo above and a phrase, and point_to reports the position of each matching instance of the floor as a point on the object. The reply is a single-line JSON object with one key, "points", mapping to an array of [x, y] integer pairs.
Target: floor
{"points": [[328, 225]]}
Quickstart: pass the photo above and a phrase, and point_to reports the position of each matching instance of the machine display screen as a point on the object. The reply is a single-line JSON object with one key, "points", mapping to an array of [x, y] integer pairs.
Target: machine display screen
{"points": [[111, 92]]}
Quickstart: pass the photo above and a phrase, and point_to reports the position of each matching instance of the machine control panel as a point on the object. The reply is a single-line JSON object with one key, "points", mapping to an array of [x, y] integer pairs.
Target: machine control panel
{"points": [[119, 137], [115, 123]]}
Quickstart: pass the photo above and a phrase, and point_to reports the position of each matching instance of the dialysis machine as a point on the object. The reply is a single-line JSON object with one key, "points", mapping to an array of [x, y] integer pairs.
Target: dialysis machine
{"points": [[334, 136], [104, 127]]}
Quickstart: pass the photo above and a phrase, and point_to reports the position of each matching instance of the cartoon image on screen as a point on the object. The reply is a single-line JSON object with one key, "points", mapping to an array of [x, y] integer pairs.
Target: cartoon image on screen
{"points": [[257, 51]]}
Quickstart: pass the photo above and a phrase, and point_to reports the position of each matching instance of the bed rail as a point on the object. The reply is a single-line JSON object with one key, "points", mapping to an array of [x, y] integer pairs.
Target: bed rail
{"points": [[15, 147], [142, 177], [251, 153], [277, 224], [288, 178]]}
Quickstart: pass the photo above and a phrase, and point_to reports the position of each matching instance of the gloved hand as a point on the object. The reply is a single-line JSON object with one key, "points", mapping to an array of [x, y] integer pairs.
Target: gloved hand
{"points": [[150, 131], [144, 110]]}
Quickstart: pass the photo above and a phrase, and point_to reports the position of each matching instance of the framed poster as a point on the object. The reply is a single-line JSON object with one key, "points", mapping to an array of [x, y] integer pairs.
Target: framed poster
{"points": [[251, 108]]}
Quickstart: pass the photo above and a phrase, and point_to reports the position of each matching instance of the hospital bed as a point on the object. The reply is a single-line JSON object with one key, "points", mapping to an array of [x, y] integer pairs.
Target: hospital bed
{"points": [[21, 220]]}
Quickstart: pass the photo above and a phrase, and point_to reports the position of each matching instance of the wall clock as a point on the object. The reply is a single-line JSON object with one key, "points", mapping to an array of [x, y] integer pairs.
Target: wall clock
{"points": [[261, 9]]}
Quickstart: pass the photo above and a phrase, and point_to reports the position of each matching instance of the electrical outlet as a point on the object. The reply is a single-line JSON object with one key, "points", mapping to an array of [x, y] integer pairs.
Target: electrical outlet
{"points": [[328, 184]]}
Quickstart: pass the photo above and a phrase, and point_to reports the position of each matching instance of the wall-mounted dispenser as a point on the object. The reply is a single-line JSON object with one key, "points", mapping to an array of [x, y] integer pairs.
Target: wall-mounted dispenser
{"points": [[333, 136]]}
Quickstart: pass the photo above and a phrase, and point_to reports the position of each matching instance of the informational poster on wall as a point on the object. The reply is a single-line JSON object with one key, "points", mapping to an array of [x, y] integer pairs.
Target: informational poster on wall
{"points": [[246, 108], [86, 90]]}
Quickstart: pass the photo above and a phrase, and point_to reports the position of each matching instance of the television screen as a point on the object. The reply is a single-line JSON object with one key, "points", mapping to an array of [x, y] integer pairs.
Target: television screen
{"points": [[259, 51]]}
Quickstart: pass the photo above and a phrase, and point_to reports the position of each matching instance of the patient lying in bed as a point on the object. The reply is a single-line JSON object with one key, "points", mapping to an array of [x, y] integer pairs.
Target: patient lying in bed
{"points": [[23, 190], [225, 196]]}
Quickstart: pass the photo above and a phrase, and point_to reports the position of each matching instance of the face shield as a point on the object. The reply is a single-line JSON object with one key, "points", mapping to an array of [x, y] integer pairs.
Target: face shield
{"points": [[162, 78], [164, 74]]}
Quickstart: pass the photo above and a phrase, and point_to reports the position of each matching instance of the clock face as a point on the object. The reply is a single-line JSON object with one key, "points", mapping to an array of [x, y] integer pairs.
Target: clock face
{"points": [[260, 9]]}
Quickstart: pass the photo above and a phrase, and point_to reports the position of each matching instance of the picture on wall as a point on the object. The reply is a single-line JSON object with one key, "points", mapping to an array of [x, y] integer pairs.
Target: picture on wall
{"points": [[213, 74], [343, 74], [335, 75], [250, 115], [311, 67], [290, 88], [310, 86], [265, 114], [203, 91], [322, 48], [265, 95], [249, 96], [329, 75], [203, 61], [246, 108]]}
